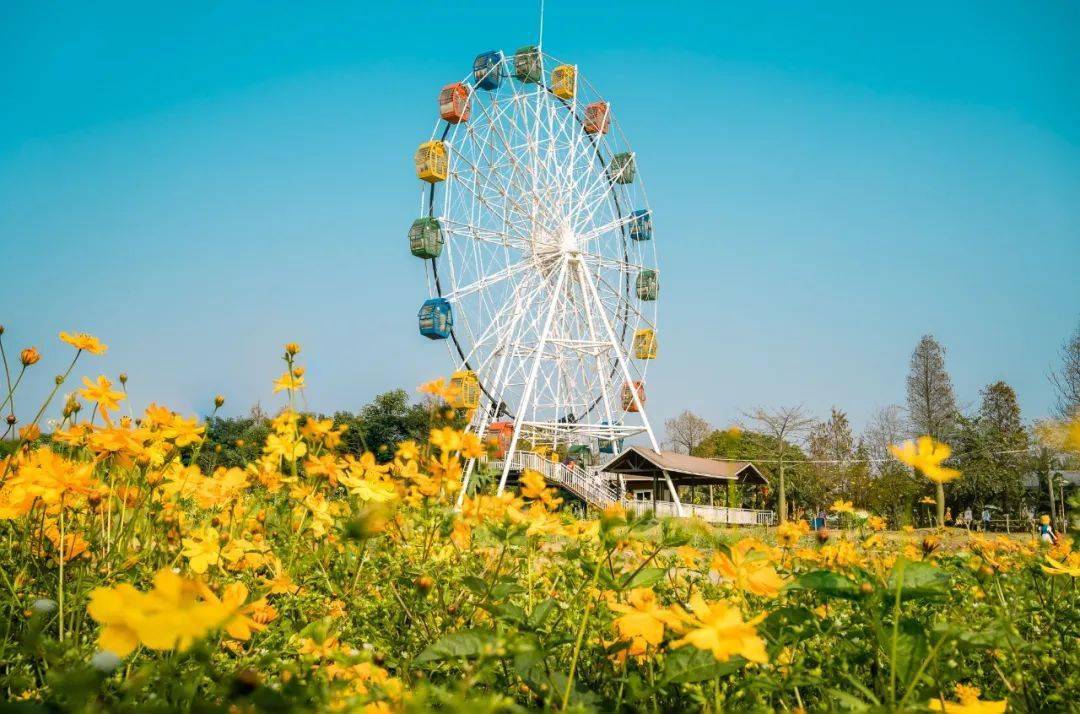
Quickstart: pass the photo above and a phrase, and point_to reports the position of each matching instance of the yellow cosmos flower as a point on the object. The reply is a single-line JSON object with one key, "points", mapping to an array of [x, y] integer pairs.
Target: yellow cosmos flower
{"points": [[842, 507], [440, 388], [446, 439], [749, 569], [84, 342], [719, 628], [1071, 566], [642, 621], [289, 381], [101, 392], [174, 615], [969, 703], [284, 447], [202, 549], [926, 454], [789, 533]]}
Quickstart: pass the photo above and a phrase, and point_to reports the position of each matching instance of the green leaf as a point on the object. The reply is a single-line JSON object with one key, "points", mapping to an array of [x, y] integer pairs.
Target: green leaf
{"points": [[689, 664], [825, 582], [911, 649], [848, 701], [790, 620], [474, 584], [646, 578], [541, 612], [505, 589], [466, 644], [917, 581]]}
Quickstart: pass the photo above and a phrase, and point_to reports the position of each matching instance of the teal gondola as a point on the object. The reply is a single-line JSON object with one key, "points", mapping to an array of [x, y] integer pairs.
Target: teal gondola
{"points": [[436, 319]]}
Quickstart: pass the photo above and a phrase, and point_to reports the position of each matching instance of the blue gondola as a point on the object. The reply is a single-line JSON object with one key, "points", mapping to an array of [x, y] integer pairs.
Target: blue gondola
{"points": [[436, 319], [641, 224], [488, 71]]}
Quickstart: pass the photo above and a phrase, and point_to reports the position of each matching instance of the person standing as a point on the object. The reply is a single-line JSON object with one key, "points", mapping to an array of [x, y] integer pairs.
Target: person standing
{"points": [[967, 517], [985, 519], [1046, 531]]}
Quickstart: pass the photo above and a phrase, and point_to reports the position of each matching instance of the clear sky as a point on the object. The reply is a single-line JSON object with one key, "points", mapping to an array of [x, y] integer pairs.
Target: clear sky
{"points": [[830, 181]]}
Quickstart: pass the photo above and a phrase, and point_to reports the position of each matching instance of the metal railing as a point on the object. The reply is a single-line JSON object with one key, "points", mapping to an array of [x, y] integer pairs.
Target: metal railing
{"points": [[710, 514], [588, 486]]}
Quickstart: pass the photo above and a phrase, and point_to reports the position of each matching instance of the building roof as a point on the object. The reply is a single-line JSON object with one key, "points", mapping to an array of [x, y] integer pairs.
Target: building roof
{"points": [[639, 463]]}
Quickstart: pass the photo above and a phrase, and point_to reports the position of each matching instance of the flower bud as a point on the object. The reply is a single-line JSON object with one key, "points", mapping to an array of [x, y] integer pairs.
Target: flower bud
{"points": [[219, 401], [29, 356], [59, 379], [123, 378], [292, 348], [11, 419]]}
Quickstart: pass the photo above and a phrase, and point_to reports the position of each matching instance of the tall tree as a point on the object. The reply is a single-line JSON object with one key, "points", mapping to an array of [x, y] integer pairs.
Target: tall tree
{"points": [[930, 399], [686, 431], [931, 402], [1066, 378], [835, 458], [783, 424], [999, 416]]}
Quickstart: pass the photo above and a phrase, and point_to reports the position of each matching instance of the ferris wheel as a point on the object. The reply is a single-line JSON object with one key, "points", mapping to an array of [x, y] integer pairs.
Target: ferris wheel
{"points": [[540, 258]]}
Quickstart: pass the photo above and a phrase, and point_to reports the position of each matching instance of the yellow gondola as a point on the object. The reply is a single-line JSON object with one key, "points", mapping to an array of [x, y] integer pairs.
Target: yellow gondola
{"points": [[564, 81], [431, 161], [467, 390], [645, 344]]}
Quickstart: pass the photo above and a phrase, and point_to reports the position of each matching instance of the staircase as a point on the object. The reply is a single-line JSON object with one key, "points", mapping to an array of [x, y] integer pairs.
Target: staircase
{"points": [[587, 485]]}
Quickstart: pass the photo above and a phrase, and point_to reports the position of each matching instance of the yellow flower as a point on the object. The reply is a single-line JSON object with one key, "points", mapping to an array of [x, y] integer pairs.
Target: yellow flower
{"points": [[446, 439], [284, 447], [1071, 566], [183, 432], [876, 523], [926, 454], [969, 703], [238, 617], [749, 569], [789, 533], [720, 629], [642, 621], [288, 381], [101, 392], [202, 550], [84, 342], [172, 615], [842, 507], [440, 388]]}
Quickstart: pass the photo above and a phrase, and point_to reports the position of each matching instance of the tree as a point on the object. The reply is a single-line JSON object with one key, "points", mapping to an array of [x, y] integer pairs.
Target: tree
{"points": [[991, 450], [686, 431], [387, 421], [931, 402], [761, 450], [1066, 379], [893, 487], [841, 466], [782, 424], [930, 399]]}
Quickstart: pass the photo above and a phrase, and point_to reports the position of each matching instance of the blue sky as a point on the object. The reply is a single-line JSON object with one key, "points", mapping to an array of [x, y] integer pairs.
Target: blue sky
{"points": [[830, 181]]}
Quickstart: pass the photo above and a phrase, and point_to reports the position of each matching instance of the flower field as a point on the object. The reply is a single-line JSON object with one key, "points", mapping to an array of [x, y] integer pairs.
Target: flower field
{"points": [[308, 580]]}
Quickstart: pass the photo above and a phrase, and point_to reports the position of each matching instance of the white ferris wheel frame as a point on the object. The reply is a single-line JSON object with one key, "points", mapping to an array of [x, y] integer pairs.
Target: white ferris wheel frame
{"points": [[538, 264]]}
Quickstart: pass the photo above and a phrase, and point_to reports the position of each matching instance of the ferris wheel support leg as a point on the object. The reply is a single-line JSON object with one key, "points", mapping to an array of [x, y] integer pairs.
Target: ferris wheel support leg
{"points": [[620, 357], [530, 385]]}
